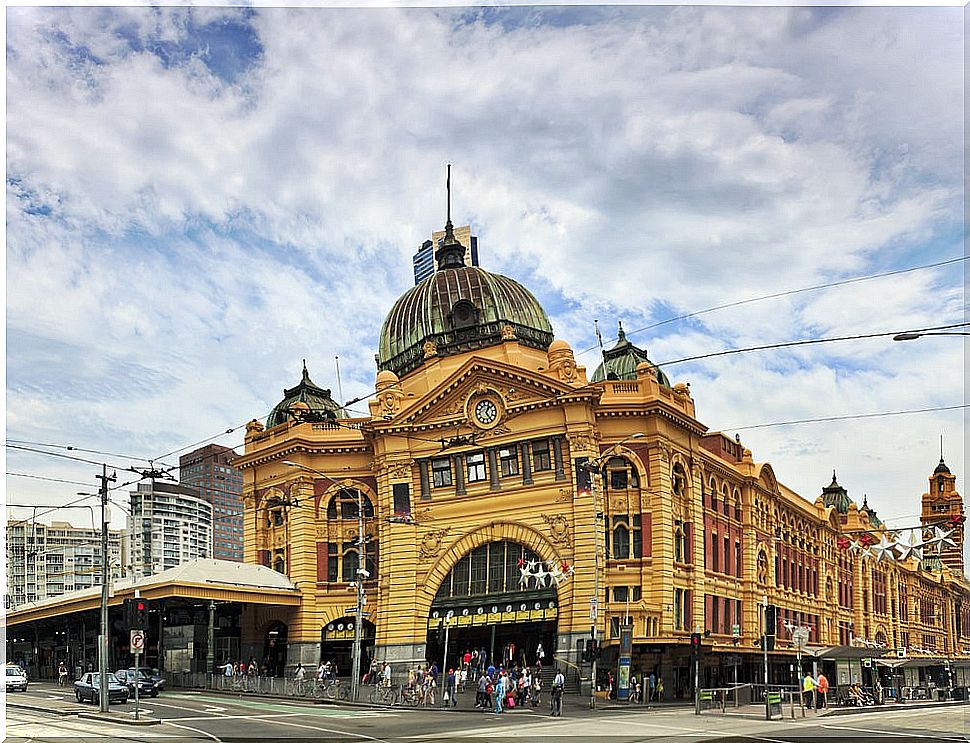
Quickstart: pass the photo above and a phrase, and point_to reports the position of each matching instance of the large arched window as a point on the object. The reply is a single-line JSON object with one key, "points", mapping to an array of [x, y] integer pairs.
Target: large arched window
{"points": [[345, 503], [621, 541], [488, 570]]}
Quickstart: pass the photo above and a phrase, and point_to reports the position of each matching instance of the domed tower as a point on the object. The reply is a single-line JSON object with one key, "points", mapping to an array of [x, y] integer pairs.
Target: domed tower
{"points": [[457, 309], [621, 361], [305, 403], [942, 514]]}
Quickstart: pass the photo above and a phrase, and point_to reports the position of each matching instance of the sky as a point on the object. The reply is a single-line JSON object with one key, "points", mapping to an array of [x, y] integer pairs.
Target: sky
{"points": [[199, 198]]}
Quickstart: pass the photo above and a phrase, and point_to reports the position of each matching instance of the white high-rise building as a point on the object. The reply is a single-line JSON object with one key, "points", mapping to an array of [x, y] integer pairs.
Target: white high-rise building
{"points": [[44, 561], [169, 524]]}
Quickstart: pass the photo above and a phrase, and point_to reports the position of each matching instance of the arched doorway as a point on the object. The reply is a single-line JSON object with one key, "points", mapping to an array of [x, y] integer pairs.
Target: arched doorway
{"points": [[337, 644], [485, 602], [274, 648]]}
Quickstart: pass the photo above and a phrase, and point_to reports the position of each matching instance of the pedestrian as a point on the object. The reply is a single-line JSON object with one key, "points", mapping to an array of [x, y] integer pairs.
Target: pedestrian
{"points": [[660, 689], [62, 674], [300, 673], [474, 662], [651, 686], [499, 693], [386, 673], [558, 684], [450, 697], [634, 690], [540, 656], [808, 690], [822, 685]]}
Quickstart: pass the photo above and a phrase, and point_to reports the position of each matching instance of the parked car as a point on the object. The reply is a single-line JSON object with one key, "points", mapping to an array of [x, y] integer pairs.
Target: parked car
{"points": [[154, 675], [146, 687], [88, 689], [15, 678]]}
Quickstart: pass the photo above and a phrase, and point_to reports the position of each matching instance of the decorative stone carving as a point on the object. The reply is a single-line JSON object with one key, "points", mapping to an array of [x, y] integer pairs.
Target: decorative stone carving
{"points": [[558, 528], [499, 430], [564, 495], [508, 333], [422, 515], [431, 544], [400, 471], [390, 401], [323, 534], [350, 534], [253, 427], [430, 349], [563, 362]]}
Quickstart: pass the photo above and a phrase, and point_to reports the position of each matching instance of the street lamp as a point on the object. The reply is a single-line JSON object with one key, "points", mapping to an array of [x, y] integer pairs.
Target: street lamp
{"points": [[361, 575], [593, 467], [912, 336]]}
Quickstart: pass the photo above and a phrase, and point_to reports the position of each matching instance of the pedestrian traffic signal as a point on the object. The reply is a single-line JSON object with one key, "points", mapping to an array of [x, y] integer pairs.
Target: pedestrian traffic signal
{"points": [[695, 645], [591, 651]]}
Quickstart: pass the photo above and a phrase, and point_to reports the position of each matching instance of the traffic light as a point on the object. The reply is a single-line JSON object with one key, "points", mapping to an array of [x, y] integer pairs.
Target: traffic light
{"points": [[771, 619], [695, 645], [136, 613], [591, 651]]}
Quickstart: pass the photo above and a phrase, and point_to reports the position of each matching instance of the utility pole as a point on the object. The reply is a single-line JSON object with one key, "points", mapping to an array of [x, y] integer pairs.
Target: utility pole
{"points": [[359, 619], [103, 639]]}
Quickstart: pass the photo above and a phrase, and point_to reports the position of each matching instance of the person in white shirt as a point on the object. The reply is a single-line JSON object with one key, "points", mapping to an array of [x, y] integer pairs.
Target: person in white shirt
{"points": [[300, 672], [558, 685]]}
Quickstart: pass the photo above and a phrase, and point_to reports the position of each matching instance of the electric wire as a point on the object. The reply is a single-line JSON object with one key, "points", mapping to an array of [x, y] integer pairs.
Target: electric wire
{"points": [[51, 479], [68, 447], [807, 342], [789, 292], [851, 416]]}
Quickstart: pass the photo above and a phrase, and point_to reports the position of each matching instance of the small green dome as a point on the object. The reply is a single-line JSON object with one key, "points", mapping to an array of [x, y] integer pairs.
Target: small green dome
{"points": [[621, 361], [313, 404], [835, 496], [457, 309]]}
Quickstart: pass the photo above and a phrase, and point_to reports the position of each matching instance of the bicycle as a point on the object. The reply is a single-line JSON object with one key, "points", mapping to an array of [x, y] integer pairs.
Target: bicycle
{"points": [[386, 695], [411, 695], [333, 689]]}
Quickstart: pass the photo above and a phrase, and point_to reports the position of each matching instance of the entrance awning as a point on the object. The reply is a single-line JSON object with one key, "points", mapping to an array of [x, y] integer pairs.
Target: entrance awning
{"points": [[846, 652], [211, 580]]}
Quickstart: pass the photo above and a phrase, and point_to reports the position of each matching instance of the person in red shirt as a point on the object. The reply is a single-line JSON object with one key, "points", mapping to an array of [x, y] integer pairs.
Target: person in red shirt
{"points": [[821, 690], [467, 659]]}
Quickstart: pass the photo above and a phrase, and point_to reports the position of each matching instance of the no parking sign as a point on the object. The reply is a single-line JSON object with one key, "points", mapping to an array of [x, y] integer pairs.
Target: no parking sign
{"points": [[137, 641]]}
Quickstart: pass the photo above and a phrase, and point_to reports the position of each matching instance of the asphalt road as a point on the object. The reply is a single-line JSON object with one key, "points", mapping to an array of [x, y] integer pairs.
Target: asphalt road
{"points": [[205, 716]]}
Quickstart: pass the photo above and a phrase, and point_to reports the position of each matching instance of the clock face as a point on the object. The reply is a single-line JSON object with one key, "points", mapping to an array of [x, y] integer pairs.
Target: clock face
{"points": [[486, 412]]}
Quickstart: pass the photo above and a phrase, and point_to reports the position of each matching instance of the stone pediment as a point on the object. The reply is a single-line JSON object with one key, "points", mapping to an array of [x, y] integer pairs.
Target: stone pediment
{"points": [[485, 394]]}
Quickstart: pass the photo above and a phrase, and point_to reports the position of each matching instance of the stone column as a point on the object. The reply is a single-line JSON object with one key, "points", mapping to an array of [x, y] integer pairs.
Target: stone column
{"points": [[493, 469]]}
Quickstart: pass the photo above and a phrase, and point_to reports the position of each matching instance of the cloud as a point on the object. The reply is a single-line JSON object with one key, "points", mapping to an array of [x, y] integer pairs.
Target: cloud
{"points": [[199, 198]]}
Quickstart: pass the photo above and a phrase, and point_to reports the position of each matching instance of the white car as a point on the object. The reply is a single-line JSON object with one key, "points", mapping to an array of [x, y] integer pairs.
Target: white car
{"points": [[15, 678]]}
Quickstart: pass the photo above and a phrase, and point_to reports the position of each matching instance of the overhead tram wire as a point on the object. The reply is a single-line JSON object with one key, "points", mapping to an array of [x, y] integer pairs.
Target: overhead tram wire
{"points": [[62, 456], [787, 293], [808, 342], [855, 416], [68, 447], [42, 477]]}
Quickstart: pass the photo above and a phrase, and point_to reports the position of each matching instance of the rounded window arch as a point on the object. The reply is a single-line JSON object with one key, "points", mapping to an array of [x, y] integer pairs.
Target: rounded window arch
{"points": [[344, 505], [726, 500], [621, 474], [279, 564], [737, 504]]}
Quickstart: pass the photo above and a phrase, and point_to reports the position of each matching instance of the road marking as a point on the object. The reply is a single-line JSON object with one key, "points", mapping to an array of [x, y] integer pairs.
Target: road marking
{"points": [[306, 709], [208, 735], [885, 732]]}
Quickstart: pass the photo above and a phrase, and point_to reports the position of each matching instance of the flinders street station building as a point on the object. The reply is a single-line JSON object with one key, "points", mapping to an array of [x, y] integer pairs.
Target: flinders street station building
{"points": [[492, 494], [509, 497]]}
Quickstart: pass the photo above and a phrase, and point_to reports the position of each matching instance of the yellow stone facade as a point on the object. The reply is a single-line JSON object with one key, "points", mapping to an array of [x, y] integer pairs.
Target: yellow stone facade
{"points": [[661, 528]]}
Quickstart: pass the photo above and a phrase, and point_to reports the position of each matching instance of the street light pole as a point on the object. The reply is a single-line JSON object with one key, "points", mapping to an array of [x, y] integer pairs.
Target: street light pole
{"points": [[359, 583], [593, 467], [103, 643]]}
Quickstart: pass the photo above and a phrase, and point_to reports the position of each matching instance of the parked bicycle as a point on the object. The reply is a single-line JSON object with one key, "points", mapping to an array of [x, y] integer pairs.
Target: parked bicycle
{"points": [[332, 689], [386, 695]]}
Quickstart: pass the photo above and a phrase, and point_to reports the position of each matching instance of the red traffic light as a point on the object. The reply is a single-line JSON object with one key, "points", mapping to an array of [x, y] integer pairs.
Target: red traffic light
{"points": [[140, 606]]}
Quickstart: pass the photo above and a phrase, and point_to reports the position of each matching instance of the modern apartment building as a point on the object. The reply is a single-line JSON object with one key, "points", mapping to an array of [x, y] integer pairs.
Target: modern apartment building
{"points": [[209, 470], [169, 524], [424, 260], [44, 560]]}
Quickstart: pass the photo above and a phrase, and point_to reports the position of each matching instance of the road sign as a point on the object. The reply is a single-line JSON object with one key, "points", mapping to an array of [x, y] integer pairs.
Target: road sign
{"points": [[137, 641], [351, 609], [593, 607], [735, 630]]}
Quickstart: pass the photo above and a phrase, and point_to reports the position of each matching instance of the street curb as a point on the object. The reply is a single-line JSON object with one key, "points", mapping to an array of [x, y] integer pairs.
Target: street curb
{"points": [[60, 711], [842, 711], [107, 717]]}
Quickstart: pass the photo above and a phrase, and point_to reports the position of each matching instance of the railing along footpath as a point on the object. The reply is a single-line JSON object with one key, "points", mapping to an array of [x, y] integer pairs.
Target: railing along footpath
{"points": [[775, 699]]}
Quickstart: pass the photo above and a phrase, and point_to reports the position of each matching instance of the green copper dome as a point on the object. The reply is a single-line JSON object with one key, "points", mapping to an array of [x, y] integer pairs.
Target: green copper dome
{"points": [[621, 361], [459, 308], [835, 496], [305, 403]]}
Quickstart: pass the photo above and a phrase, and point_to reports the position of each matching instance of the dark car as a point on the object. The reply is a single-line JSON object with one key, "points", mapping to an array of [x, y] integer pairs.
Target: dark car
{"points": [[128, 677], [153, 675], [88, 689]]}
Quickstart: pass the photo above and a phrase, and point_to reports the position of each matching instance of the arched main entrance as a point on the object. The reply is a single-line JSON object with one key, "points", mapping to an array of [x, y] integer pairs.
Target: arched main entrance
{"points": [[486, 603]]}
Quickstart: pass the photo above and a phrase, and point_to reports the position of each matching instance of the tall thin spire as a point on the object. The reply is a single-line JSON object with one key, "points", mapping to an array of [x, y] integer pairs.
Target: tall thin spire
{"points": [[451, 253]]}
